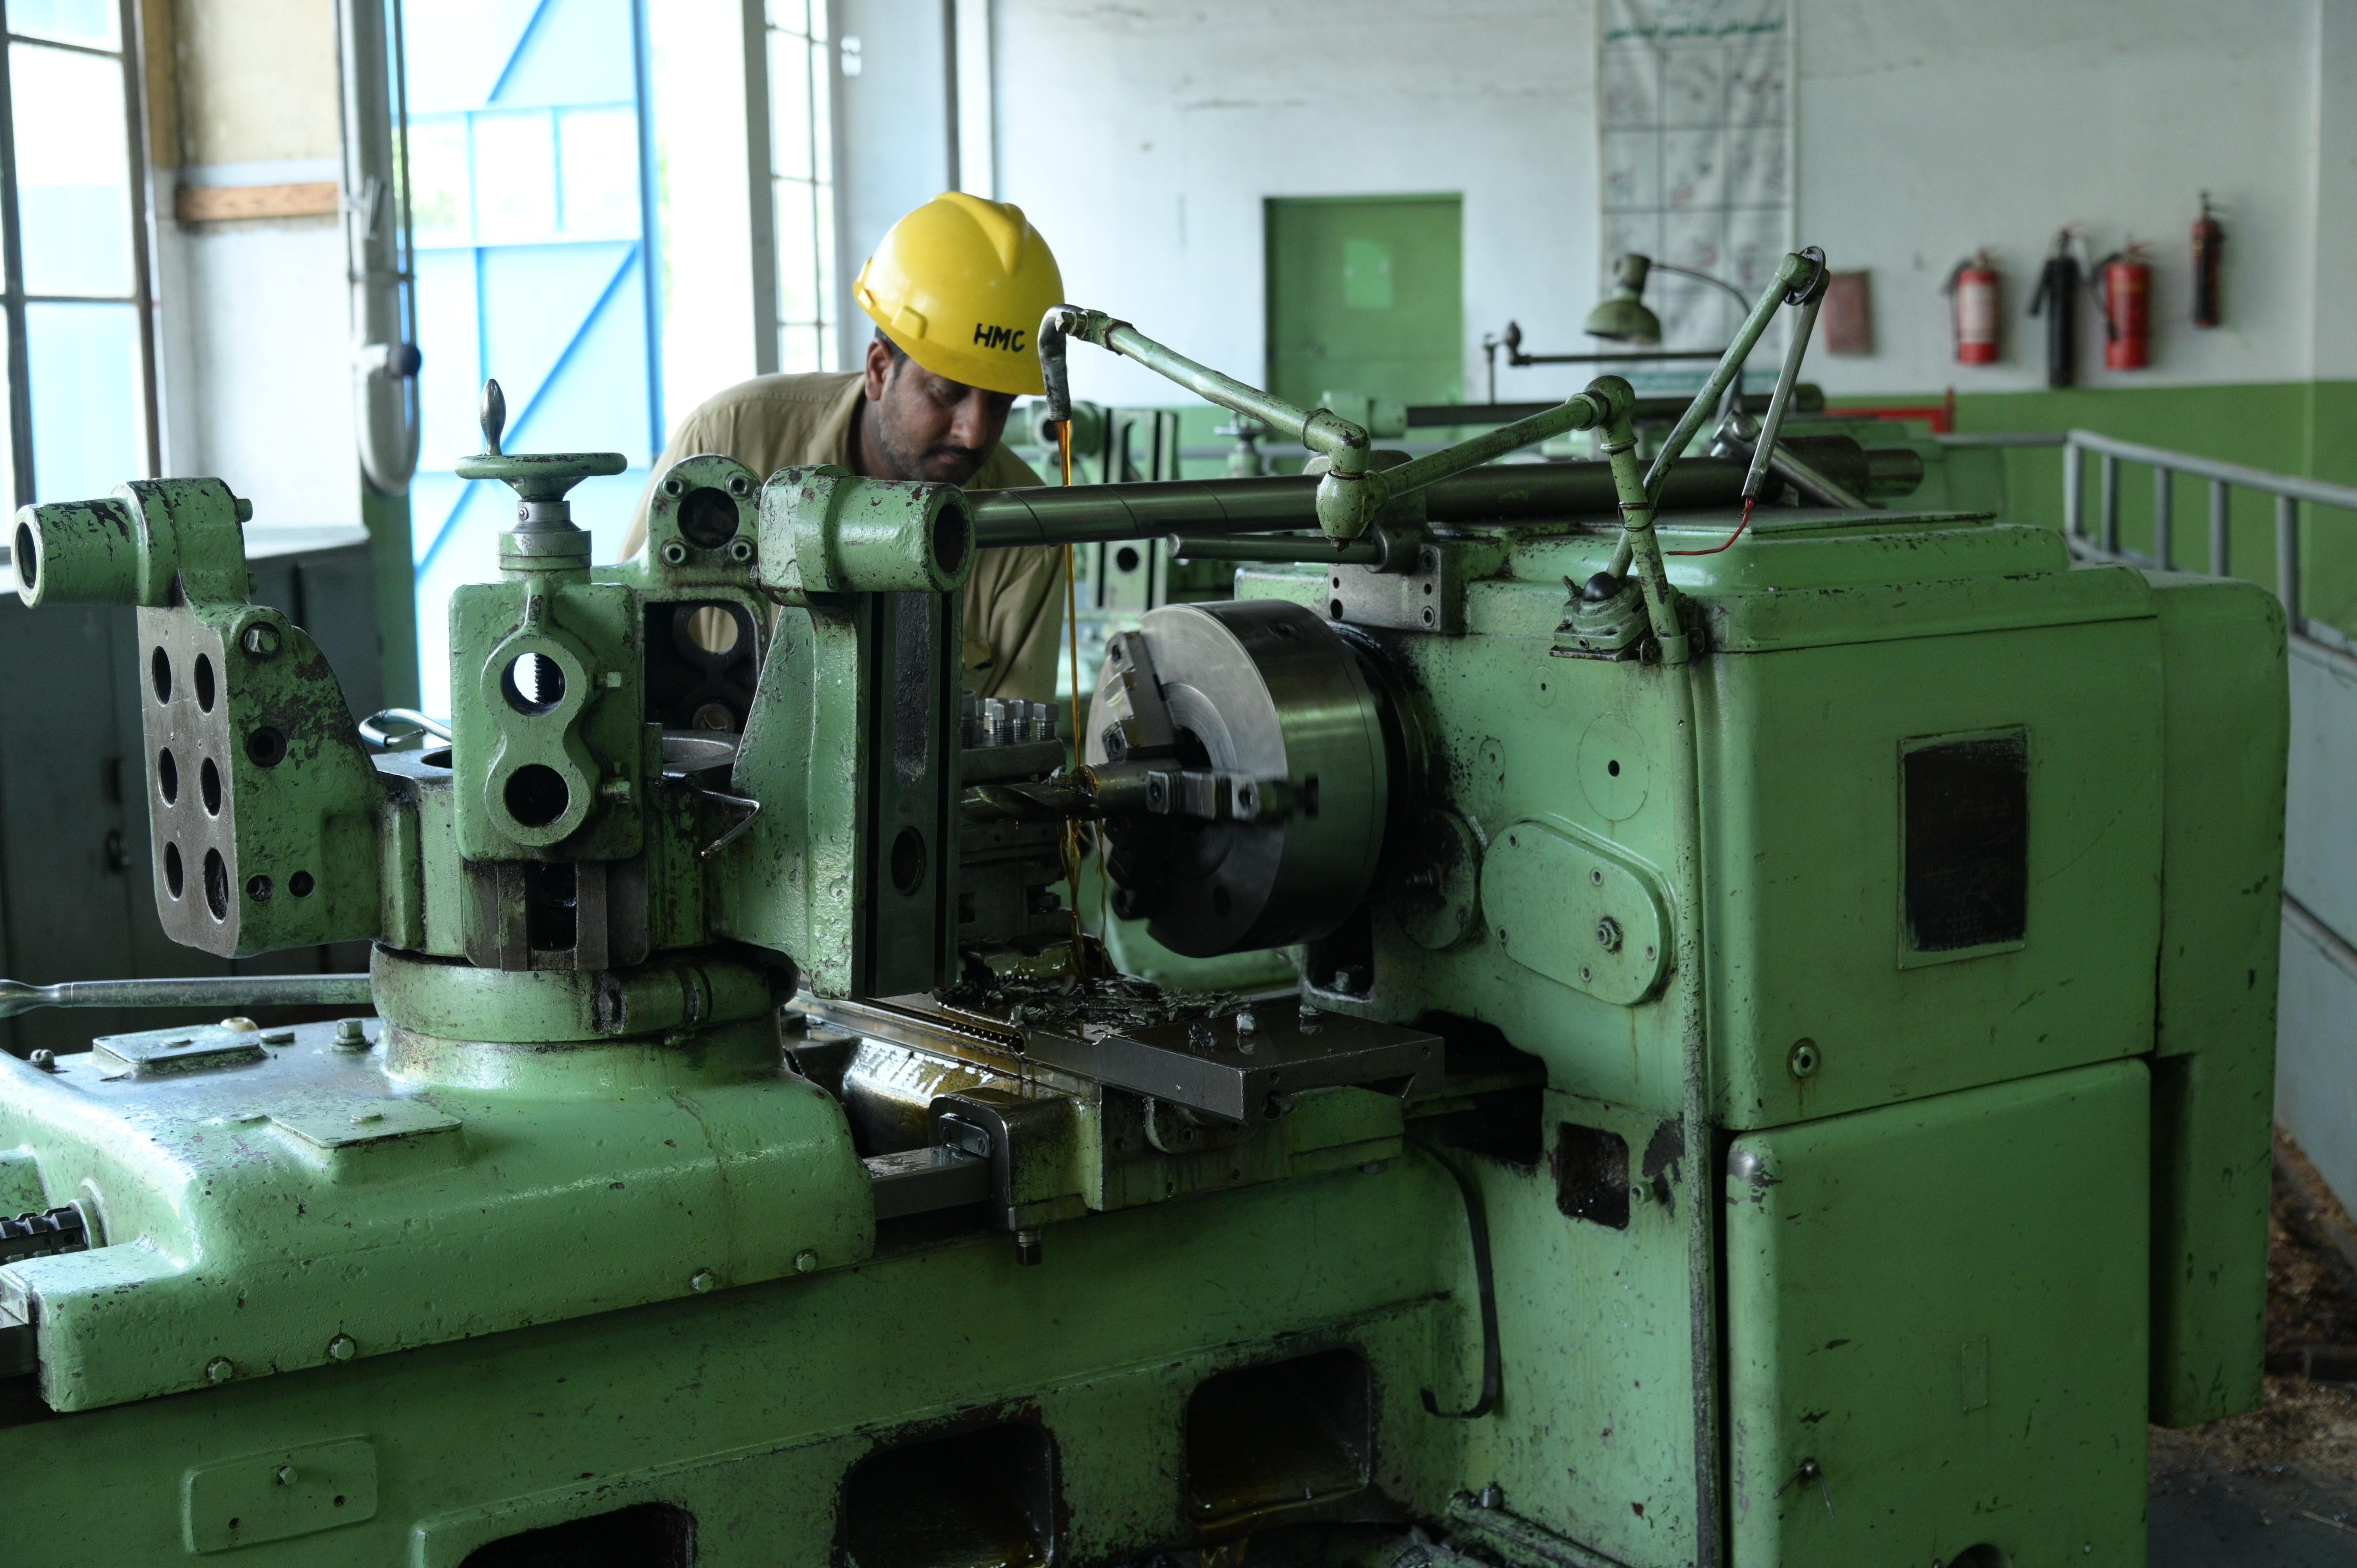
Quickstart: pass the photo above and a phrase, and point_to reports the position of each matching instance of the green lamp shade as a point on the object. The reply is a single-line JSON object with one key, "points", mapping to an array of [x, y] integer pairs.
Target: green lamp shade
{"points": [[1623, 318]]}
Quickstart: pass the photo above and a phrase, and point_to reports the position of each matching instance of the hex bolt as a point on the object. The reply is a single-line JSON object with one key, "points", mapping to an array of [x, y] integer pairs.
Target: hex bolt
{"points": [[805, 1261], [220, 1369], [351, 1034], [1805, 1059], [47, 1061], [284, 1476], [674, 554], [342, 1349], [1608, 934], [702, 1281], [1027, 1249], [260, 640]]}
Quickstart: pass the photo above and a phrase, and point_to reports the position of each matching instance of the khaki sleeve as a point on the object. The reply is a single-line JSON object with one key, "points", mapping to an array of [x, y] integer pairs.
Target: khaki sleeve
{"points": [[1014, 622]]}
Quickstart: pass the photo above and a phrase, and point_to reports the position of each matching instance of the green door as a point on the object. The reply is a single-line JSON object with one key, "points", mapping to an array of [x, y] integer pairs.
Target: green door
{"points": [[1365, 294]]}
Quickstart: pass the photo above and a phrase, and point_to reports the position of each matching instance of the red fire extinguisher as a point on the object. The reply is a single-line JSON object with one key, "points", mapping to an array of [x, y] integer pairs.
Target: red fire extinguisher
{"points": [[2209, 249], [2123, 287], [1973, 303]]}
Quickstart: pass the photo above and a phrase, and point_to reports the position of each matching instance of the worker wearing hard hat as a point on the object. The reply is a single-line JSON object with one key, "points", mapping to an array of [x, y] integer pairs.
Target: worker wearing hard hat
{"points": [[956, 291]]}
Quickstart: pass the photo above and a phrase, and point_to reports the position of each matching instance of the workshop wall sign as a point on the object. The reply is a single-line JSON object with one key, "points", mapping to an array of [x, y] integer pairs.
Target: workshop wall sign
{"points": [[1697, 149]]}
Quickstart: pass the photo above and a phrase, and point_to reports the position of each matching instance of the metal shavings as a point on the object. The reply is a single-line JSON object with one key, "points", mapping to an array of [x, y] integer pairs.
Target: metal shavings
{"points": [[1118, 1004]]}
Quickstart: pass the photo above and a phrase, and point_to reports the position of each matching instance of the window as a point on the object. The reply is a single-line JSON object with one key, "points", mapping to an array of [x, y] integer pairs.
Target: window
{"points": [[533, 217], [801, 173], [73, 307]]}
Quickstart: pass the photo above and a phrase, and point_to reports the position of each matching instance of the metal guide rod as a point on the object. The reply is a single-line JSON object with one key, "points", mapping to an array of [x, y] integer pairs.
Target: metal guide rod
{"points": [[192, 991], [1315, 550], [1204, 509]]}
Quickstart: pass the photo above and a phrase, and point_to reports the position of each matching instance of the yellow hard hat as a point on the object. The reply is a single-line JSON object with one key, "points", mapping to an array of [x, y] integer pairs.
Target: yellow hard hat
{"points": [[960, 284]]}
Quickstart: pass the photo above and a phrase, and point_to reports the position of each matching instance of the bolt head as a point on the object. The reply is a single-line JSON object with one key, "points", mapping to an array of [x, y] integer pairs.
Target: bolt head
{"points": [[1805, 1059], [260, 641], [740, 549], [675, 553], [351, 1034], [805, 1261], [1608, 934], [673, 488], [342, 1349], [284, 1476], [220, 1369], [703, 1280], [47, 1061]]}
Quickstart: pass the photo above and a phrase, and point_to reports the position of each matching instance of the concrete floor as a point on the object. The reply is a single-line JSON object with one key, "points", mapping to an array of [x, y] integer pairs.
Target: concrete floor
{"points": [[2213, 1519], [2278, 1488]]}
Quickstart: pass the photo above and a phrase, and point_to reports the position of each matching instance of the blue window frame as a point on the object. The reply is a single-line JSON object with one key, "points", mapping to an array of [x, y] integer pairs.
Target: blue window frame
{"points": [[534, 214]]}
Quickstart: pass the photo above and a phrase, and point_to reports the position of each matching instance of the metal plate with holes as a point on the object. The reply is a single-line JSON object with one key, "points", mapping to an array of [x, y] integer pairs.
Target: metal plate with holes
{"points": [[153, 1053], [1430, 597], [278, 1495], [1575, 912]]}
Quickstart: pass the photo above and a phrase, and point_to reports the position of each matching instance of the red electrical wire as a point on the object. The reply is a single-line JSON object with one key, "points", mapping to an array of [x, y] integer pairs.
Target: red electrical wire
{"points": [[1730, 539]]}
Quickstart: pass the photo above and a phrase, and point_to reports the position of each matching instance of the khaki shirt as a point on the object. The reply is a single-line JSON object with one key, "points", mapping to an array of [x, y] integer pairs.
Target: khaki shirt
{"points": [[1014, 601]]}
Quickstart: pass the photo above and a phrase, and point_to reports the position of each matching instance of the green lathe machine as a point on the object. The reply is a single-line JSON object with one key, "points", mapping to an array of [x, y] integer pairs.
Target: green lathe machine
{"points": [[1779, 1072]]}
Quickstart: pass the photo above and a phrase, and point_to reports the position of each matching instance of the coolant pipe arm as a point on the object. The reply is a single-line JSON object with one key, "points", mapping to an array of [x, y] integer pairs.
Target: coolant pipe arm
{"points": [[1799, 278], [1344, 445], [195, 990], [1350, 494], [1639, 543]]}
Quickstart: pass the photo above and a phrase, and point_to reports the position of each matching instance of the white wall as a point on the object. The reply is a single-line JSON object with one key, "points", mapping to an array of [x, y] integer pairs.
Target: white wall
{"points": [[254, 351], [1928, 130], [1143, 138]]}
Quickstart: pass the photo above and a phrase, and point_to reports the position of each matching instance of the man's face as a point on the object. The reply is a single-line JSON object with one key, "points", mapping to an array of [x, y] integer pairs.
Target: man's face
{"points": [[924, 426]]}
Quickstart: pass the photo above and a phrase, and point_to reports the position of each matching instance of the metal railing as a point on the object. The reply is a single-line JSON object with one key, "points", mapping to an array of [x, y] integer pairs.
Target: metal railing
{"points": [[2290, 491]]}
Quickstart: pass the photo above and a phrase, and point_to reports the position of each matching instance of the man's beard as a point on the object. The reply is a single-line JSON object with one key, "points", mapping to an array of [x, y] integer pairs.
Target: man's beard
{"points": [[940, 464]]}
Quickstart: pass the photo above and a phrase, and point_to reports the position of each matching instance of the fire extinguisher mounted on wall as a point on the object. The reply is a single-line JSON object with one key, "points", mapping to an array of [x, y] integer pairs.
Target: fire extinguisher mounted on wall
{"points": [[2209, 253], [2057, 299], [2123, 285], [1973, 308]]}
